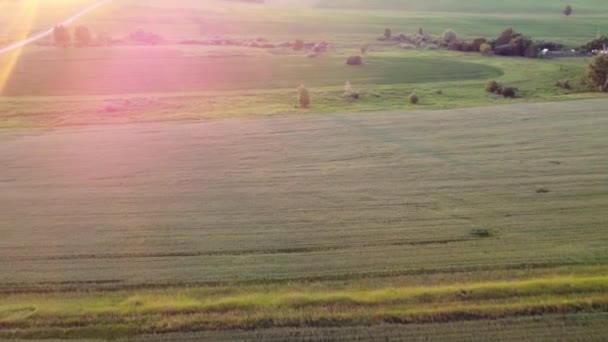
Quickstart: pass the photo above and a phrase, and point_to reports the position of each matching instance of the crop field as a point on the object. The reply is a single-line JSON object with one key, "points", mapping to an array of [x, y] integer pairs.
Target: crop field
{"points": [[178, 191], [501, 209]]}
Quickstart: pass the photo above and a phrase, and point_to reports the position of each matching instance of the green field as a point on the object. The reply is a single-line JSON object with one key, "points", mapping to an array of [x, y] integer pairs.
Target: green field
{"points": [[429, 198], [178, 192]]}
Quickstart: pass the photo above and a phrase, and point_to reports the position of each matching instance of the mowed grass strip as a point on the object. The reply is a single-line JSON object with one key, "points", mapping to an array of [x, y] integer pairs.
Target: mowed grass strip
{"points": [[115, 314]]}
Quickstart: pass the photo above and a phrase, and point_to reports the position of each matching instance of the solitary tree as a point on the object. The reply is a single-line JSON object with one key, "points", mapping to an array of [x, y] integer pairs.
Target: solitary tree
{"points": [[82, 35], [303, 96], [61, 36], [567, 11], [388, 33], [597, 72]]}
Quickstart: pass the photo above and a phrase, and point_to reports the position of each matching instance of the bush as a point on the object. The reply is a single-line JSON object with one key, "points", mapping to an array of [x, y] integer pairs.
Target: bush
{"points": [[298, 45], [564, 84], [596, 44], [485, 49], [413, 98], [449, 36], [455, 46], [477, 43], [349, 92], [597, 73], [509, 92], [492, 87], [82, 35], [567, 10], [144, 37], [388, 34], [506, 50], [354, 60], [506, 37], [303, 96], [61, 36]]}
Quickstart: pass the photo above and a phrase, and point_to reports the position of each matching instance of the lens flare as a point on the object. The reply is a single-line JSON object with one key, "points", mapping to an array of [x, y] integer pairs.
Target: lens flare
{"points": [[20, 27]]}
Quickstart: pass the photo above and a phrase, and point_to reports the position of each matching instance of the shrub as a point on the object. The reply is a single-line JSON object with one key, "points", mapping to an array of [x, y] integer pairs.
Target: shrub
{"points": [[141, 36], [455, 46], [597, 73], [61, 36], [596, 44], [565, 84], [506, 50], [303, 96], [439, 92], [298, 45], [485, 49], [82, 35], [354, 60], [509, 92], [477, 43], [413, 98], [449, 36], [567, 10], [349, 92], [492, 87], [388, 34]]}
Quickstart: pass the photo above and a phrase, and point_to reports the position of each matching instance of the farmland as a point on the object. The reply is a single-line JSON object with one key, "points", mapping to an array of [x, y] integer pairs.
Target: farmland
{"points": [[179, 192], [407, 209]]}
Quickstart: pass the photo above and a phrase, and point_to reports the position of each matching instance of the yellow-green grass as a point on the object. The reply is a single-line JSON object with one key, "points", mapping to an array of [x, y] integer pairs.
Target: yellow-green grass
{"points": [[181, 309], [567, 327]]}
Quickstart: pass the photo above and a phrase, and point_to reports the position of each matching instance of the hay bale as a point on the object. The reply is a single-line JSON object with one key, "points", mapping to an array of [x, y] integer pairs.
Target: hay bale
{"points": [[354, 60]]}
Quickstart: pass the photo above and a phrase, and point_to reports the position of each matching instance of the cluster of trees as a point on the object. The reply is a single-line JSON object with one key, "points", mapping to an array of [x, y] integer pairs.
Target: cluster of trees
{"points": [[509, 43], [82, 36], [63, 37], [595, 45]]}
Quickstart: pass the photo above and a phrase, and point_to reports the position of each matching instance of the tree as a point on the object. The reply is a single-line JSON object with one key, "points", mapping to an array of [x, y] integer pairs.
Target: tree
{"points": [[597, 73], [298, 45], [449, 36], [567, 11], [388, 33], [61, 36], [303, 96], [82, 35]]}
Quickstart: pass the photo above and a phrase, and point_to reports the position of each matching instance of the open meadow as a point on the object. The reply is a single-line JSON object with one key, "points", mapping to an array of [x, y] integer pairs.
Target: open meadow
{"points": [[179, 191]]}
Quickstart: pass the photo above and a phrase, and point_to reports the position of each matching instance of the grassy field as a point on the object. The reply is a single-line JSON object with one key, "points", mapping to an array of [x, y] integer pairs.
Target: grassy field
{"points": [[50, 87], [465, 217], [469, 215]]}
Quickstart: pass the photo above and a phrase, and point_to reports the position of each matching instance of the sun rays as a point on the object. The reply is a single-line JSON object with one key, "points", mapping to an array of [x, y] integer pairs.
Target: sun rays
{"points": [[20, 26]]}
